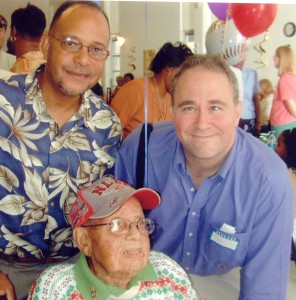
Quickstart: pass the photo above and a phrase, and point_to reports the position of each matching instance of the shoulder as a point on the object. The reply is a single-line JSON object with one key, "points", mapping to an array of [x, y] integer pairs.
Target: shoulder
{"points": [[57, 273], [14, 85], [132, 87], [287, 78], [162, 263], [162, 135], [54, 282]]}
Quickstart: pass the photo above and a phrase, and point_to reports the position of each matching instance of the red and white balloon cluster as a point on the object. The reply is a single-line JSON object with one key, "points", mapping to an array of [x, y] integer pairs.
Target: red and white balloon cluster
{"points": [[250, 19], [236, 23]]}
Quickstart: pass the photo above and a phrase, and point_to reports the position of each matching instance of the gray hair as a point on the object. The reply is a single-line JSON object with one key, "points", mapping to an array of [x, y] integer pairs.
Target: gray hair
{"points": [[208, 62]]}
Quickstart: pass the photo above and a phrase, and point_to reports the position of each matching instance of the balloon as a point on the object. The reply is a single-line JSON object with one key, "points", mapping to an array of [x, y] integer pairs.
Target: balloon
{"points": [[223, 38], [252, 19], [221, 10]]}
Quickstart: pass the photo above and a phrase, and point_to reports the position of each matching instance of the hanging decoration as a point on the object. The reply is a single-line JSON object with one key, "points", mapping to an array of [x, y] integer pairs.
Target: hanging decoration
{"points": [[131, 57], [262, 61]]}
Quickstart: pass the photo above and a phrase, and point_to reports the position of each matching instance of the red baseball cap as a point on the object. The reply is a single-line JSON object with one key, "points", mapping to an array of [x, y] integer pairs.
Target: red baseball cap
{"points": [[105, 196]]}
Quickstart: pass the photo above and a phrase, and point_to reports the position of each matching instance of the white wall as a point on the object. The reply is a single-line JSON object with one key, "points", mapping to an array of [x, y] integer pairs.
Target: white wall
{"points": [[146, 25]]}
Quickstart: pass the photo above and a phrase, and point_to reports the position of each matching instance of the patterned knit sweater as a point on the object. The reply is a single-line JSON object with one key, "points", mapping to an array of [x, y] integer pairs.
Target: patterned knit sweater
{"points": [[58, 283]]}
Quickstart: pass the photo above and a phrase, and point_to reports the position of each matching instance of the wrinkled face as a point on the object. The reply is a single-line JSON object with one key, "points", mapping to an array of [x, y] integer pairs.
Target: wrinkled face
{"points": [[115, 256], [74, 73], [205, 114]]}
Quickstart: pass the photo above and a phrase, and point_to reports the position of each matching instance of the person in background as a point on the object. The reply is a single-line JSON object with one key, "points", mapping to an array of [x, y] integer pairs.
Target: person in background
{"points": [[286, 147], [219, 214], [128, 77], [98, 90], [129, 103], [251, 109], [112, 234], [27, 29], [283, 111], [6, 60], [266, 98], [120, 83], [56, 136]]}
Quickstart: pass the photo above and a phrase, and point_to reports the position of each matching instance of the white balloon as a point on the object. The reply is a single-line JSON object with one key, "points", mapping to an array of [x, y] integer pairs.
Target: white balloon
{"points": [[224, 38]]}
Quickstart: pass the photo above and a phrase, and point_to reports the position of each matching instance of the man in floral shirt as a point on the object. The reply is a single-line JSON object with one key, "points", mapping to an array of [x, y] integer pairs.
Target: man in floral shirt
{"points": [[56, 136]]}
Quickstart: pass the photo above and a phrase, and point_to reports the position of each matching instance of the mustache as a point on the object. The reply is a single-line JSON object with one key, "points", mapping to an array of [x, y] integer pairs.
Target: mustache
{"points": [[79, 69]]}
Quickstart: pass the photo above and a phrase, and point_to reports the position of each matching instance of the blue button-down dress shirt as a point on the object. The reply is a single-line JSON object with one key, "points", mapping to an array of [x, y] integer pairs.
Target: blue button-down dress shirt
{"points": [[240, 216]]}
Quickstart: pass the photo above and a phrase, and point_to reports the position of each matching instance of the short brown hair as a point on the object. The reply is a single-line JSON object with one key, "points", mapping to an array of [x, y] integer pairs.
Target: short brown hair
{"points": [[208, 62]]}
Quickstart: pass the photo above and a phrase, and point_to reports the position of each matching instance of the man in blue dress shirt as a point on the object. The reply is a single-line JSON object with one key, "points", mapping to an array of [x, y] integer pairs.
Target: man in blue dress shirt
{"points": [[227, 198]]}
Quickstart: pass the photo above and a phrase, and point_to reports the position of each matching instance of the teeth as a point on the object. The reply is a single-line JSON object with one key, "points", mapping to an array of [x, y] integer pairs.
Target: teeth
{"points": [[133, 252]]}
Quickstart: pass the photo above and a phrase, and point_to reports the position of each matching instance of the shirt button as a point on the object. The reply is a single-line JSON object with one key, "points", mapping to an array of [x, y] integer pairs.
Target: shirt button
{"points": [[188, 253], [194, 213], [190, 234], [192, 189], [222, 267]]}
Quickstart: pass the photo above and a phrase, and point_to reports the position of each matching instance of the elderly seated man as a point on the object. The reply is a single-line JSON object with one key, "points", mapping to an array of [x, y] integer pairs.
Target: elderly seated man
{"points": [[115, 263]]}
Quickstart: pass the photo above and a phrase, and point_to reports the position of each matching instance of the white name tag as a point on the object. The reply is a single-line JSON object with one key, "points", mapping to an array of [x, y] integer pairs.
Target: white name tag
{"points": [[224, 239]]}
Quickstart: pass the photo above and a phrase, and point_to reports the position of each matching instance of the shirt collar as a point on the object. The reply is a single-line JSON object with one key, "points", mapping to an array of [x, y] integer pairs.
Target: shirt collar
{"points": [[34, 95], [88, 283]]}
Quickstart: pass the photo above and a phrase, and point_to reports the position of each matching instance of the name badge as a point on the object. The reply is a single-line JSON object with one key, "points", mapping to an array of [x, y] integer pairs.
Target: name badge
{"points": [[224, 239]]}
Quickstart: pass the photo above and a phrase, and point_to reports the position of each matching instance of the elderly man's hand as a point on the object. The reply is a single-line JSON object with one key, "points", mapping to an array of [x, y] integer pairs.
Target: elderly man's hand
{"points": [[6, 287]]}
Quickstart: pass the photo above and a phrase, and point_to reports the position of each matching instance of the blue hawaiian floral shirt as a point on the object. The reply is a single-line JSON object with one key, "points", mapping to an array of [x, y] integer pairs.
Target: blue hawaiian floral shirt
{"points": [[41, 166]]}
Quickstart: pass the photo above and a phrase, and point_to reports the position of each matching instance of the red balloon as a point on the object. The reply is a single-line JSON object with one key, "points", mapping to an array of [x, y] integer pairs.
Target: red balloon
{"points": [[252, 19]]}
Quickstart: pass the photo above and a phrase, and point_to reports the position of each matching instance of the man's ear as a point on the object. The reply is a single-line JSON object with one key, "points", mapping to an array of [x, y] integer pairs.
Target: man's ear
{"points": [[238, 112], [83, 240], [44, 43], [13, 34]]}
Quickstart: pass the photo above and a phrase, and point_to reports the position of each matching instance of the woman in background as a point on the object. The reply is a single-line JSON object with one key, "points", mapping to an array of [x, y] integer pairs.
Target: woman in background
{"points": [[283, 111], [266, 98], [129, 102]]}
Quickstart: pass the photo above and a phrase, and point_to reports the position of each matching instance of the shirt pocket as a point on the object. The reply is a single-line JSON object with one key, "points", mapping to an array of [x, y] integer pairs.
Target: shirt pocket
{"points": [[221, 251]]}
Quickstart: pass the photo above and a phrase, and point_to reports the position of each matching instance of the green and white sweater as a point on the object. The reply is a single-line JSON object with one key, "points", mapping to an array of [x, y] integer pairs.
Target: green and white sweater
{"points": [[166, 281]]}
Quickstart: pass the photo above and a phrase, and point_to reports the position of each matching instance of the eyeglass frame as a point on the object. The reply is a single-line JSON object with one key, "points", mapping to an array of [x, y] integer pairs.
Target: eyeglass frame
{"points": [[60, 40], [130, 223]]}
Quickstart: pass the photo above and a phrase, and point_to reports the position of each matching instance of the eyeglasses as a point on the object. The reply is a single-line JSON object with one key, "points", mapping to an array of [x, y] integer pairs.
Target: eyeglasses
{"points": [[73, 46], [3, 24], [123, 226]]}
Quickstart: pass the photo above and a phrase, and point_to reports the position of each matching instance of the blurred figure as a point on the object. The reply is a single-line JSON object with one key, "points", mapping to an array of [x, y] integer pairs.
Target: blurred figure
{"points": [[98, 90], [251, 91], [120, 83], [27, 28], [6, 60], [283, 111], [265, 103], [286, 147], [129, 102], [128, 77]]}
